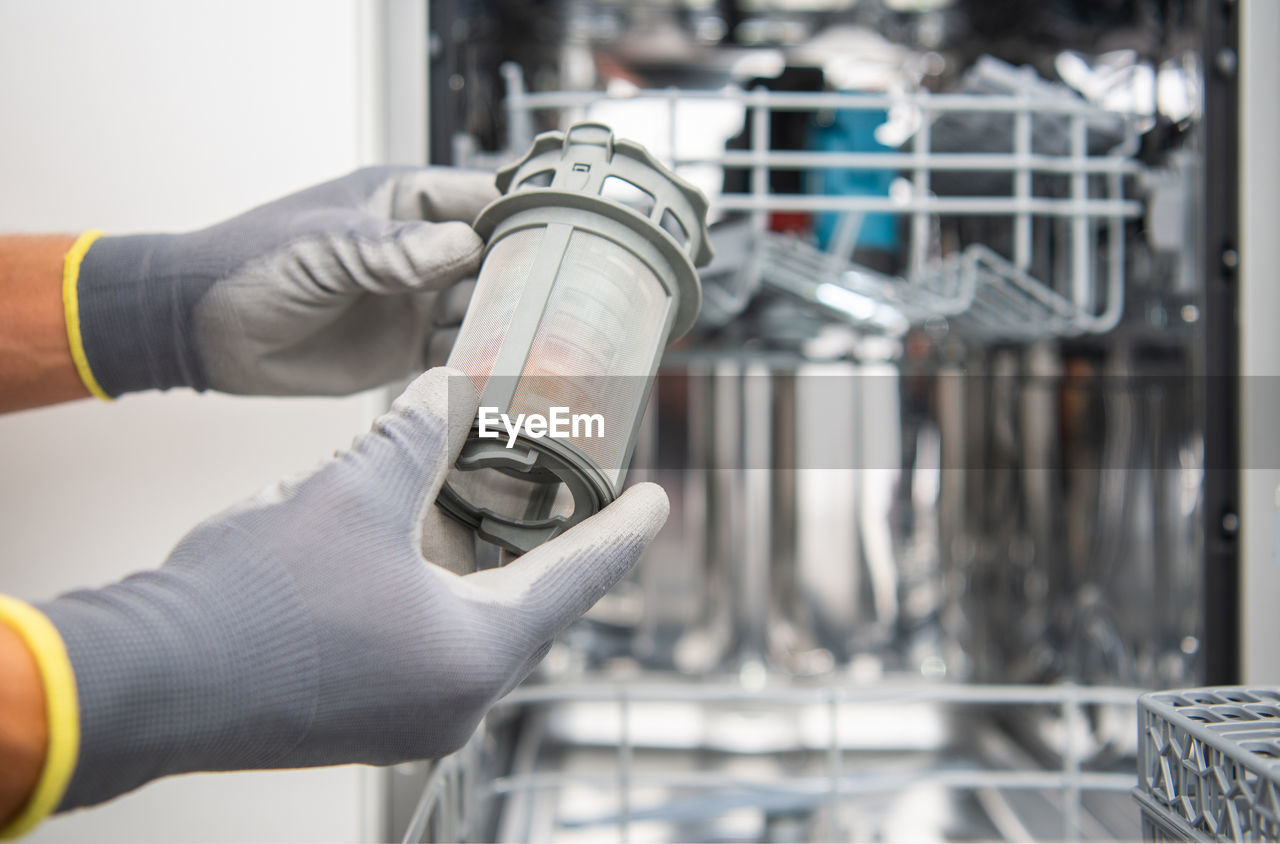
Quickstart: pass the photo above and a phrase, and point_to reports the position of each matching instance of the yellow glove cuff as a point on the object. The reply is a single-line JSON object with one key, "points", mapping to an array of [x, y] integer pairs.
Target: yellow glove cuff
{"points": [[71, 310], [61, 708]]}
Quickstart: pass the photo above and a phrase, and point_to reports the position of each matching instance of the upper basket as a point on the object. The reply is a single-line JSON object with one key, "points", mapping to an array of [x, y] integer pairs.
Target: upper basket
{"points": [[1010, 201]]}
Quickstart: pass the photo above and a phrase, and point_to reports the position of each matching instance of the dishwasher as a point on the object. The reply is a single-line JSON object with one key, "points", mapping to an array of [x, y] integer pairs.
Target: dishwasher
{"points": [[948, 450]]}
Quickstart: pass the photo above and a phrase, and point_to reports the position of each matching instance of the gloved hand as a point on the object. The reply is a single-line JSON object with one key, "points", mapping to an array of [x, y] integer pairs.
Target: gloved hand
{"points": [[304, 627], [327, 291]]}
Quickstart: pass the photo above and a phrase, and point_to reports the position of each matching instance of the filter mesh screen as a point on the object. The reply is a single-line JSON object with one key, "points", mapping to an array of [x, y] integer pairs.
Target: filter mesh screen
{"points": [[594, 347], [493, 304]]}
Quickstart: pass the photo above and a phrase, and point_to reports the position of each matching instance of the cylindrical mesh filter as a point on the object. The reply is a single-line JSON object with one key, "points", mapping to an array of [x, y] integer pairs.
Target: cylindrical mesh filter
{"points": [[577, 296], [493, 304]]}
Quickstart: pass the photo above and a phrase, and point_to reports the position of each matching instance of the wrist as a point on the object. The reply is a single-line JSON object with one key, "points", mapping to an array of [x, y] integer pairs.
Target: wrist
{"points": [[173, 678], [36, 366], [39, 729], [129, 312], [24, 729]]}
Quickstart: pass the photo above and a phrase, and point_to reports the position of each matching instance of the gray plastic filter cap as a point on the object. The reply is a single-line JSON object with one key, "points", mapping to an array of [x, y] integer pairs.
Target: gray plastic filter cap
{"points": [[571, 187]]}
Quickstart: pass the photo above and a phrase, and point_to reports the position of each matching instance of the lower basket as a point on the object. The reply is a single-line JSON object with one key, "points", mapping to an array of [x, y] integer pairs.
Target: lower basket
{"points": [[1209, 764]]}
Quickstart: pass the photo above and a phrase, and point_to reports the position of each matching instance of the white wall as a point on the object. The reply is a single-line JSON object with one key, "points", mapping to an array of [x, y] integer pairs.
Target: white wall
{"points": [[145, 115], [1260, 342]]}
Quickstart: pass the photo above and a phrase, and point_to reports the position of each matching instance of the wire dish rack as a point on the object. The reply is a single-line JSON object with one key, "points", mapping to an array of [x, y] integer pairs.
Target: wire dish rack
{"points": [[1010, 196], [667, 760], [1209, 765]]}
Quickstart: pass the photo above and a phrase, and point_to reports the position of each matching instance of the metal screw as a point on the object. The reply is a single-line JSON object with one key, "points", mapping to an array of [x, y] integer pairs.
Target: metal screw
{"points": [[1226, 61], [456, 82], [1230, 523], [1230, 258]]}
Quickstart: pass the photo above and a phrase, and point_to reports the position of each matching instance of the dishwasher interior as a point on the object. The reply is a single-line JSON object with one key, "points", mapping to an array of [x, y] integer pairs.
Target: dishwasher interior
{"points": [[940, 451]]}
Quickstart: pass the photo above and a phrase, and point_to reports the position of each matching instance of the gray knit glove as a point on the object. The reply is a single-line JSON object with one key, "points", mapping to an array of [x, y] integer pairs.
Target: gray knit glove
{"points": [[327, 291], [304, 627]]}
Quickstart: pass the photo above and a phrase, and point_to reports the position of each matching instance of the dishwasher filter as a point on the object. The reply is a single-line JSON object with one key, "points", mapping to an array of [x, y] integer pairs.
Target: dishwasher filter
{"points": [[588, 273]]}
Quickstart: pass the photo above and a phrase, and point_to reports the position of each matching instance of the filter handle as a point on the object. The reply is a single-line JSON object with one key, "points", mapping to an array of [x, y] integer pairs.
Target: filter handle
{"points": [[592, 134]]}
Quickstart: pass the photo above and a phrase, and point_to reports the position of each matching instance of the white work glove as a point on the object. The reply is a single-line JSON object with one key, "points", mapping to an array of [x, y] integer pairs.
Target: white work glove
{"points": [[328, 291], [304, 627]]}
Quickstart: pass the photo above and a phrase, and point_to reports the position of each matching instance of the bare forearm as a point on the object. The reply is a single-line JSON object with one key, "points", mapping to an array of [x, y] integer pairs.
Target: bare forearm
{"points": [[24, 732], [36, 367]]}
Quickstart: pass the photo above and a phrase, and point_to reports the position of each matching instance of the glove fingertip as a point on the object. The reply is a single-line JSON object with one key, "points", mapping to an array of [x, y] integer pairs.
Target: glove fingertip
{"points": [[442, 193], [443, 396], [441, 254], [646, 505], [572, 571], [451, 306], [440, 345], [435, 413]]}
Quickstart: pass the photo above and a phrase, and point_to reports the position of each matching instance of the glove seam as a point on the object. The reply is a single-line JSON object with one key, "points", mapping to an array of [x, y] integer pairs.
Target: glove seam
{"points": [[61, 709]]}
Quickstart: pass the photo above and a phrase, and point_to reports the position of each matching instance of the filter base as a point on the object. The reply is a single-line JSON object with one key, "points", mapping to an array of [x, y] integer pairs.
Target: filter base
{"points": [[530, 460]]}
